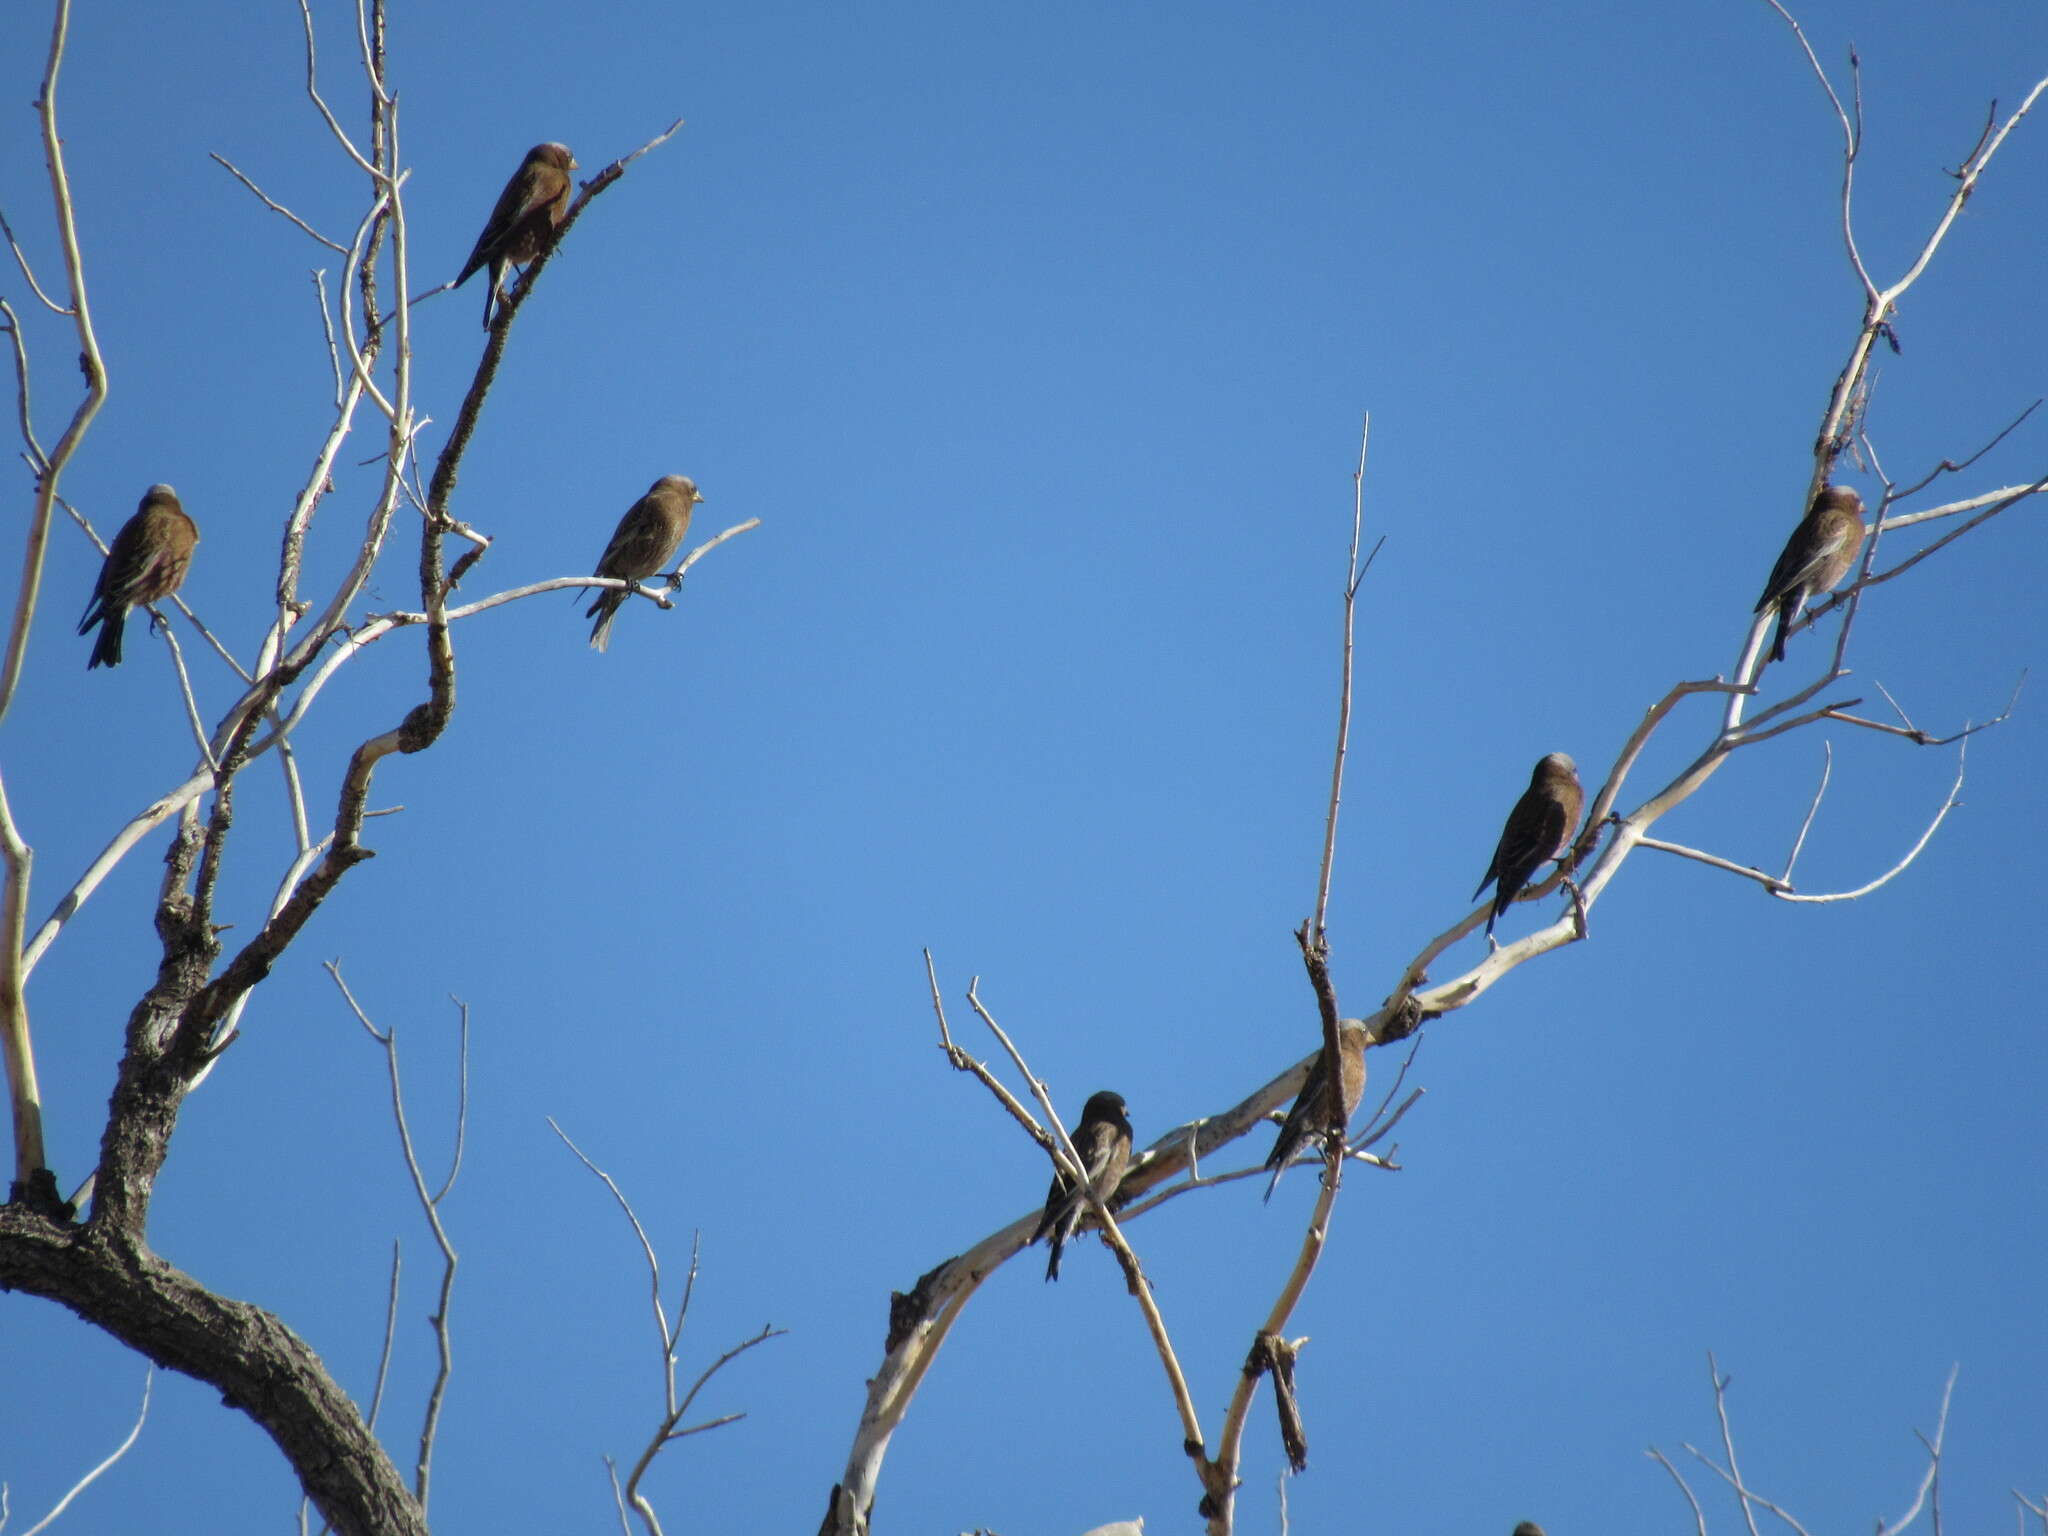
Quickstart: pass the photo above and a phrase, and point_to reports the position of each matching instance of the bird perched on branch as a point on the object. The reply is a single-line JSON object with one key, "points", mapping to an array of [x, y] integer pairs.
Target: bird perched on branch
{"points": [[1311, 1112], [529, 211], [146, 563], [1538, 830], [646, 539], [1103, 1140], [1815, 558]]}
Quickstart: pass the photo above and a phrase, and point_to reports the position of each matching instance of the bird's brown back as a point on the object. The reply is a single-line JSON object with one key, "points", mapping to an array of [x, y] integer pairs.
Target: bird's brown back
{"points": [[650, 533], [151, 554]]}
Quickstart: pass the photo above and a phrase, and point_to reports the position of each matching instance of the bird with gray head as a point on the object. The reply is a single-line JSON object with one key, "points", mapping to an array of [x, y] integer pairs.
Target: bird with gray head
{"points": [[529, 211], [146, 563], [1538, 830], [1815, 558], [646, 539]]}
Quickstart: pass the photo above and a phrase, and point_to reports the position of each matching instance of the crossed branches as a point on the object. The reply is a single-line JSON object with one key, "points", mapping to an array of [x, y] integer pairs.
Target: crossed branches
{"points": [[101, 1266], [921, 1318]]}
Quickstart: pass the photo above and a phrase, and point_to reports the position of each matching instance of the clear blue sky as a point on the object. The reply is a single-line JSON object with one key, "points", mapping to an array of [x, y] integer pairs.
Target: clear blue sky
{"points": [[1037, 337]]}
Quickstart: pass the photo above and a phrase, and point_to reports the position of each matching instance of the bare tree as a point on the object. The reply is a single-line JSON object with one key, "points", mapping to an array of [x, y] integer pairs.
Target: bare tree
{"points": [[101, 1265], [921, 1318]]}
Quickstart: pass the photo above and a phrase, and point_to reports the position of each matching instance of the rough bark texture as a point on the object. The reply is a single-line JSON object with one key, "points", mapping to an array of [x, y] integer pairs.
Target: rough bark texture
{"points": [[260, 1366]]}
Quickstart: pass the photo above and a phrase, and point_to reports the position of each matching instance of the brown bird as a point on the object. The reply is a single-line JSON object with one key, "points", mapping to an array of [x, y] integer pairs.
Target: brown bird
{"points": [[1103, 1139], [146, 563], [1311, 1112], [646, 539], [1539, 829], [529, 211], [1815, 558]]}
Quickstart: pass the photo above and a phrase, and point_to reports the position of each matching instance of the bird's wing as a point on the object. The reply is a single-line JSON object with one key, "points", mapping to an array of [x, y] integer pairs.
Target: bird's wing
{"points": [[1808, 550], [1531, 835], [530, 187]]}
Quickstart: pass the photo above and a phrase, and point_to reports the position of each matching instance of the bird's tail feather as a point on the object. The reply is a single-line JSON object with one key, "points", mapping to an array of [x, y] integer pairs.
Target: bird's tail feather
{"points": [[1786, 616], [106, 650], [607, 609], [1274, 1182]]}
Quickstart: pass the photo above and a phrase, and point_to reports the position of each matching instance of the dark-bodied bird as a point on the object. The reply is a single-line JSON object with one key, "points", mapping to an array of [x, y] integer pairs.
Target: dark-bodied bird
{"points": [[529, 211], [1103, 1139], [1539, 829], [146, 562], [1528, 1528], [646, 539], [1815, 558], [1311, 1112]]}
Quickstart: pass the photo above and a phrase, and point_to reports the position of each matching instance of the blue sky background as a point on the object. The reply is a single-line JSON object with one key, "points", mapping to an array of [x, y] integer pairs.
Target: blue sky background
{"points": [[1037, 338]]}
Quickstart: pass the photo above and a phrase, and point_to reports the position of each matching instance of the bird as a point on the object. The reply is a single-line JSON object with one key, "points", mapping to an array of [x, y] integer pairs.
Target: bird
{"points": [[529, 211], [1528, 1528], [1311, 1112], [146, 563], [646, 539], [1815, 558], [1538, 829], [1103, 1140]]}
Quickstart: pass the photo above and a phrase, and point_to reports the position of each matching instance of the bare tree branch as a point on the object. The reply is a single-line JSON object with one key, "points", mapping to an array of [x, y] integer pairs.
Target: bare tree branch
{"points": [[670, 1334], [1699, 1519], [1930, 1485], [32, 1180], [85, 1482], [430, 1207], [275, 207]]}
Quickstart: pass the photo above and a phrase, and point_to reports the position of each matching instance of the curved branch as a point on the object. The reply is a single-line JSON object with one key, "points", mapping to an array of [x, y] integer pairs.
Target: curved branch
{"points": [[1948, 804], [85, 1482], [32, 1180], [256, 1363]]}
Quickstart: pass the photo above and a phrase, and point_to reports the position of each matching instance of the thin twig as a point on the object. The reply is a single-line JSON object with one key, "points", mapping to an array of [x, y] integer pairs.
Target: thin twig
{"points": [[390, 1334], [21, 259], [1956, 466], [670, 1337], [1734, 1472], [1352, 576], [1827, 768], [275, 207], [1699, 1519], [85, 1482], [1714, 861], [1930, 1484], [965, 1062], [430, 1207], [1948, 804]]}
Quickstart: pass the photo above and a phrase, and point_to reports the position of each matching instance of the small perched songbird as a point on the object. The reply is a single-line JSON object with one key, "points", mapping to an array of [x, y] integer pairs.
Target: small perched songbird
{"points": [[529, 211], [1103, 1139], [1815, 558], [646, 539], [1539, 829], [146, 563], [1311, 1110]]}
